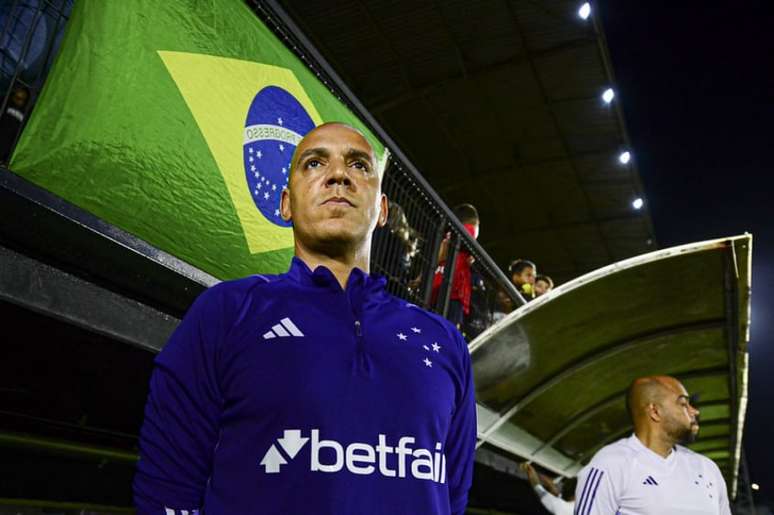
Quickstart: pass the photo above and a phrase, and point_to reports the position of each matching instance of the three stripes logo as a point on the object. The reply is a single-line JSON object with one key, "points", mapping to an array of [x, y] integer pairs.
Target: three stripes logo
{"points": [[283, 329], [586, 501], [650, 481]]}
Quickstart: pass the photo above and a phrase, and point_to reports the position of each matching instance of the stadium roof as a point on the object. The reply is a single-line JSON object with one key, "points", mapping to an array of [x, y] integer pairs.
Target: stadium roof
{"points": [[551, 377], [498, 104]]}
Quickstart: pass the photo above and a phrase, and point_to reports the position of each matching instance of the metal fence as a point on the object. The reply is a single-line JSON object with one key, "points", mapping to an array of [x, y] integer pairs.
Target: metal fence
{"points": [[406, 251]]}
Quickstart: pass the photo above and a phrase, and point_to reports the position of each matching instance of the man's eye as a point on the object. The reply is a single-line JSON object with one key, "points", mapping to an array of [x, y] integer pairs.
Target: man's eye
{"points": [[361, 166], [313, 163]]}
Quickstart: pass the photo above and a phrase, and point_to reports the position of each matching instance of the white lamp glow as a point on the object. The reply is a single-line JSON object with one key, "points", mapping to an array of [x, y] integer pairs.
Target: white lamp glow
{"points": [[585, 10], [625, 157], [608, 95], [637, 204]]}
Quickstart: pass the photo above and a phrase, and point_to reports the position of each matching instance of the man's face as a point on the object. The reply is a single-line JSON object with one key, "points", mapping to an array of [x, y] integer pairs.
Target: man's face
{"points": [[526, 276], [680, 419], [334, 194], [541, 287], [19, 97]]}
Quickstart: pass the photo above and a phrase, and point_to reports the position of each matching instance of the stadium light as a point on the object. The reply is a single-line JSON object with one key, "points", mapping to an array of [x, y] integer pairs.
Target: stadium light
{"points": [[638, 202], [755, 486], [608, 95], [584, 11], [625, 157]]}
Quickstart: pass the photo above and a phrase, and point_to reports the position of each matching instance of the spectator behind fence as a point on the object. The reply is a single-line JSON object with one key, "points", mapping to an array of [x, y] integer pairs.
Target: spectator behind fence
{"points": [[462, 279], [522, 272], [12, 120], [313, 391], [543, 285], [503, 305], [548, 493]]}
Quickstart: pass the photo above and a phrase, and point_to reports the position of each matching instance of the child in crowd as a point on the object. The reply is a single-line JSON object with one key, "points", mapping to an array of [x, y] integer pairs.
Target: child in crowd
{"points": [[523, 272], [543, 285]]}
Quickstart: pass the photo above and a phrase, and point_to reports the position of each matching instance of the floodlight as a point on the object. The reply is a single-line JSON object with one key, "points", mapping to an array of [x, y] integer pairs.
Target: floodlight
{"points": [[585, 10], [608, 95], [625, 157], [637, 204]]}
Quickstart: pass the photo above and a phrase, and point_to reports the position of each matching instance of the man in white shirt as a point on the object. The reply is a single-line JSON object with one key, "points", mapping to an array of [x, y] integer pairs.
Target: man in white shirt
{"points": [[649, 473], [553, 503]]}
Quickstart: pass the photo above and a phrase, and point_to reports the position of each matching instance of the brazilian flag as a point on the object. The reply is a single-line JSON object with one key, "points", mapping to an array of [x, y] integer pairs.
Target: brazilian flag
{"points": [[175, 120]]}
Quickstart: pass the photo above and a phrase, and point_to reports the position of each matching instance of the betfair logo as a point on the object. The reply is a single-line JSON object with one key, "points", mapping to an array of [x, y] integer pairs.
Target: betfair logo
{"points": [[330, 456]]}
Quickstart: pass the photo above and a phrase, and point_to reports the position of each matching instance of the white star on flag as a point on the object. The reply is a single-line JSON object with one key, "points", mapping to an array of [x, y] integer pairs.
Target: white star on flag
{"points": [[282, 147], [402, 336], [259, 186], [259, 154], [279, 121], [251, 159], [252, 167], [428, 362], [416, 330], [436, 347], [276, 212], [273, 187], [266, 195], [250, 150], [425, 347], [284, 170]]}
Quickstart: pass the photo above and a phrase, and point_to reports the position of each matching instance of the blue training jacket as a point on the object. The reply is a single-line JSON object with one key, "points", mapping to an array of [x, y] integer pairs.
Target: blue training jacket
{"points": [[288, 395]]}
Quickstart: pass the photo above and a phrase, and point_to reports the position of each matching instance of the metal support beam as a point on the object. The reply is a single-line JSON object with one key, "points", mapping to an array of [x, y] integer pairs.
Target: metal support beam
{"points": [[48, 290], [53, 446]]}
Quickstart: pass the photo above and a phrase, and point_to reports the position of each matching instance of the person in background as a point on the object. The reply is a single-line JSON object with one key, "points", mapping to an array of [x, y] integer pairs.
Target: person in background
{"points": [[551, 500], [650, 473], [462, 279], [523, 272], [543, 285], [12, 121], [503, 306]]}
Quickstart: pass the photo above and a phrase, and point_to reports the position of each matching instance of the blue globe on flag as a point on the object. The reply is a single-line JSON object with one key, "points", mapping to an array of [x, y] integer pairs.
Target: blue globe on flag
{"points": [[275, 124]]}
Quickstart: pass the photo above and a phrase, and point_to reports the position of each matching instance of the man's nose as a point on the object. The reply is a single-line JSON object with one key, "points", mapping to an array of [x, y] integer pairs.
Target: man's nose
{"points": [[338, 175]]}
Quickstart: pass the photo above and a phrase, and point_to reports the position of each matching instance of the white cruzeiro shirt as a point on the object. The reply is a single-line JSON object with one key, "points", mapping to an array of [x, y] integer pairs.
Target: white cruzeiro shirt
{"points": [[627, 478]]}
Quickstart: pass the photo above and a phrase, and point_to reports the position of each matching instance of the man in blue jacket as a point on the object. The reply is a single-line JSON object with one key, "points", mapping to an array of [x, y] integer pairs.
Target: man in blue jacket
{"points": [[314, 391]]}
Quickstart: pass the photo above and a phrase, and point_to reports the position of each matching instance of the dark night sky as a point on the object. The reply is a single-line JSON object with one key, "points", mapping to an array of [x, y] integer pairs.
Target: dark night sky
{"points": [[696, 83]]}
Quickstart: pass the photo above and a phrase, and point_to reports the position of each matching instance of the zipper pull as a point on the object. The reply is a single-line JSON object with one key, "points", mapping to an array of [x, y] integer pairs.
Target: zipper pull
{"points": [[357, 328]]}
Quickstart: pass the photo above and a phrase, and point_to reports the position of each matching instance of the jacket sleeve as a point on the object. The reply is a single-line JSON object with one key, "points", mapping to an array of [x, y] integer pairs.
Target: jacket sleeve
{"points": [[596, 493], [461, 441], [553, 504], [180, 430]]}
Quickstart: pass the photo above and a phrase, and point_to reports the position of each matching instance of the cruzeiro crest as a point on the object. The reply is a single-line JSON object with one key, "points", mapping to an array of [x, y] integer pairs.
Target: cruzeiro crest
{"points": [[275, 124]]}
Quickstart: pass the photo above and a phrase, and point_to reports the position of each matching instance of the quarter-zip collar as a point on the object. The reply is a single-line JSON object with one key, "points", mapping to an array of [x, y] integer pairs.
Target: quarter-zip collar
{"points": [[361, 287]]}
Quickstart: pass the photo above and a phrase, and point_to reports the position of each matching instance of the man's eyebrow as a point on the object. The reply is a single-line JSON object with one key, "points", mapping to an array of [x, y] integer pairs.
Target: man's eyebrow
{"points": [[355, 153], [686, 397], [316, 151]]}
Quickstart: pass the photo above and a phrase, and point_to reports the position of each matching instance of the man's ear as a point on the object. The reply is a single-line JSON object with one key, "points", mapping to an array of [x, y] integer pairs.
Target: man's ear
{"points": [[654, 412], [384, 211], [285, 211]]}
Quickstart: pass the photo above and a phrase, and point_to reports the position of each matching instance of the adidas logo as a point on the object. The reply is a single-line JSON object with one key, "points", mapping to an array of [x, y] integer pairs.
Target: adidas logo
{"points": [[650, 481], [286, 327]]}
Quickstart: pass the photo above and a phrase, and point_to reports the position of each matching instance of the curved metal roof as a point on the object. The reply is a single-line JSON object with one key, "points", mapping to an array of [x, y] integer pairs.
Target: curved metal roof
{"points": [[551, 377]]}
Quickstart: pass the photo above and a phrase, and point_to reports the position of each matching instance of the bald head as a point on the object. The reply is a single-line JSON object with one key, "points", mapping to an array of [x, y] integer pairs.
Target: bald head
{"points": [[308, 142], [660, 405]]}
